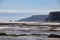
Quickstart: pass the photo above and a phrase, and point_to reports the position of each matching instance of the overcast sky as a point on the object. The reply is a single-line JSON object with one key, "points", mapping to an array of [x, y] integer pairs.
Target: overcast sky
{"points": [[18, 9]]}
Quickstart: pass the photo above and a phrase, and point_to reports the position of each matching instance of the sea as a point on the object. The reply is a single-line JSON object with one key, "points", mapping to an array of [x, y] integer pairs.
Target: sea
{"points": [[26, 33]]}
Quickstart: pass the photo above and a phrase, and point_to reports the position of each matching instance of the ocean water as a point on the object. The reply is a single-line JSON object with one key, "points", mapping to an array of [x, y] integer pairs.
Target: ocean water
{"points": [[29, 33]]}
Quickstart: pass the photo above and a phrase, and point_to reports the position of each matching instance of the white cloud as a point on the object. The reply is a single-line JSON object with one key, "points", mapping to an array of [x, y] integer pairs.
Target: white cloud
{"points": [[27, 11]]}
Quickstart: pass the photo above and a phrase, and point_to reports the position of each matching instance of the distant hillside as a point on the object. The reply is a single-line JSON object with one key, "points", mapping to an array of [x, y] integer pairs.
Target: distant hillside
{"points": [[35, 18]]}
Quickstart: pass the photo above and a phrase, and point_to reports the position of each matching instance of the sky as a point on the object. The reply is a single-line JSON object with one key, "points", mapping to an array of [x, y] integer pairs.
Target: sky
{"points": [[18, 9]]}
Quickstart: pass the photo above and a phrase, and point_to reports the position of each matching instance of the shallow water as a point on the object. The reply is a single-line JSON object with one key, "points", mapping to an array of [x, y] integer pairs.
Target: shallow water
{"points": [[29, 31]]}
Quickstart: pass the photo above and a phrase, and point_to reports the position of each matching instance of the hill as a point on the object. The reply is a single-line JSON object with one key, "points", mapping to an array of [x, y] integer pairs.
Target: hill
{"points": [[35, 18]]}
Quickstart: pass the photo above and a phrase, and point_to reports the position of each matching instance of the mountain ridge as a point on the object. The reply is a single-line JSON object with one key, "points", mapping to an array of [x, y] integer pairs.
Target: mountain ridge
{"points": [[35, 18]]}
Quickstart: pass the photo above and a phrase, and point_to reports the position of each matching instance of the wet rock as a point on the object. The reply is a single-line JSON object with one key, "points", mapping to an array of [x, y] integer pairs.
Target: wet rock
{"points": [[3, 34], [54, 36]]}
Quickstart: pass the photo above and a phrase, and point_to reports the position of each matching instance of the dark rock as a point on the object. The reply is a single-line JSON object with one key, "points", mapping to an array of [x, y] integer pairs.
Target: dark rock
{"points": [[54, 36], [3, 34]]}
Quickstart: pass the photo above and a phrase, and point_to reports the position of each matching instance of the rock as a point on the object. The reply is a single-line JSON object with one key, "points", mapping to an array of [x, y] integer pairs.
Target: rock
{"points": [[54, 36]]}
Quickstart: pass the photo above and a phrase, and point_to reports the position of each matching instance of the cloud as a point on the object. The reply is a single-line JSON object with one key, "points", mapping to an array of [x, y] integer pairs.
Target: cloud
{"points": [[27, 11]]}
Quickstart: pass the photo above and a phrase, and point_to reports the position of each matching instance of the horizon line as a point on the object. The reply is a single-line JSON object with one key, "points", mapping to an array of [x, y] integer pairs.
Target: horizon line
{"points": [[26, 11]]}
